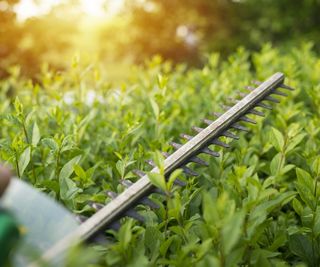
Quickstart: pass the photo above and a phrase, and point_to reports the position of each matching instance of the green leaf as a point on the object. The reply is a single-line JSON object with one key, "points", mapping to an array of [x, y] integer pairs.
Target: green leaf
{"points": [[125, 234], [155, 108], [18, 106], [51, 184], [24, 160], [68, 188], [277, 164], [165, 245], [297, 207], [295, 141], [210, 213], [231, 231], [277, 139], [152, 238], [68, 168], [204, 248], [286, 169], [173, 176], [316, 166], [316, 225], [121, 167], [301, 246], [305, 188], [35, 135], [79, 171], [162, 81], [259, 214], [51, 143], [158, 180]]}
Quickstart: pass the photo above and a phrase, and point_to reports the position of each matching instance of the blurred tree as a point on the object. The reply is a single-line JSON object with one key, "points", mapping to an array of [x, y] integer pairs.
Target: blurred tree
{"points": [[49, 39], [10, 35], [174, 29], [184, 30], [278, 22], [38, 40]]}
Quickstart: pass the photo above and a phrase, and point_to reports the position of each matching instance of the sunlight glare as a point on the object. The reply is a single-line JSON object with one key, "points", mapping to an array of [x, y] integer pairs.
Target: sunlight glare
{"points": [[28, 8], [92, 8]]}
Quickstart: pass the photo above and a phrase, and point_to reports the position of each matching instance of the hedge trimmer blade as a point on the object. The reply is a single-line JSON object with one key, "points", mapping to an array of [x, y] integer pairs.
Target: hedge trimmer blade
{"points": [[123, 204]]}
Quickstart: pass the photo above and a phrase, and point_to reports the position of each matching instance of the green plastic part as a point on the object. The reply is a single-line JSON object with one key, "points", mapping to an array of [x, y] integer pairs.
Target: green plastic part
{"points": [[9, 236]]}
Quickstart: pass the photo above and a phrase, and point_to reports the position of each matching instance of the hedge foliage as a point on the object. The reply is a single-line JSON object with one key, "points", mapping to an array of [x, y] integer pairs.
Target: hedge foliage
{"points": [[74, 136]]}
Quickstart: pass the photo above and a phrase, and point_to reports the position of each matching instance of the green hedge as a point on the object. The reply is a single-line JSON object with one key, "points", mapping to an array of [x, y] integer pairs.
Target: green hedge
{"points": [[74, 135]]}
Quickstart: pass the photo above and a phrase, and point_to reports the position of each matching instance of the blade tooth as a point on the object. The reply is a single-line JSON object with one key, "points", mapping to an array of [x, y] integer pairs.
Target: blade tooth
{"points": [[199, 161], [210, 152], [246, 119], [151, 162], [197, 129], [276, 92], [286, 87], [180, 183], [233, 100], [256, 82], [175, 145], [146, 201], [271, 99], [135, 215], [220, 143], [100, 239], [239, 127], [158, 191], [250, 88], [263, 105], [230, 135], [216, 114], [115, 226], [256, 112], [80, 218], [186, 136], [139, 173], [111, 194], [126, 183], [207, 121], [188, 171], [165, 154], [225, 107], [96, 206], [242, 94]]}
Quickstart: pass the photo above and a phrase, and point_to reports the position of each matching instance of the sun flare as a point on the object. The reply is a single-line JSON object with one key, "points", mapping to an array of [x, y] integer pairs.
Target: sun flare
{"points": [[92, 8]]}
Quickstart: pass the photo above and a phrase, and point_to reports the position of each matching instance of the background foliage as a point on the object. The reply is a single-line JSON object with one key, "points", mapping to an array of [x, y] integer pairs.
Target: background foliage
{"points": [[181, 31], [74, 135]]}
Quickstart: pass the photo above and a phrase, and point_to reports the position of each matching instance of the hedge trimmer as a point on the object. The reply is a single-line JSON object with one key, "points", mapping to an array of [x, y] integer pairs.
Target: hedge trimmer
{"points": [[123, 204]]}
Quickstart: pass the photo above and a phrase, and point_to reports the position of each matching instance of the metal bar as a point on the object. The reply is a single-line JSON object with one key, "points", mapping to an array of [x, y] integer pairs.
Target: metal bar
{"points": [[143, 186]]}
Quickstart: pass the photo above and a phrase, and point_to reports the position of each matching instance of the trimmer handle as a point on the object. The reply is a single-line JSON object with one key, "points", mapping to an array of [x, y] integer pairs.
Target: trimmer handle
{"points": [[9, 231]]}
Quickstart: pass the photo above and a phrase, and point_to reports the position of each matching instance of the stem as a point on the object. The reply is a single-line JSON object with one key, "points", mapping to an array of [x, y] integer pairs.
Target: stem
{"points": [[17, 164], [57, 165], [166, 216], [32, 166], [31, 152], [283, 154], [222, 257], [313, 223], [25, 132], [282, 158]]}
